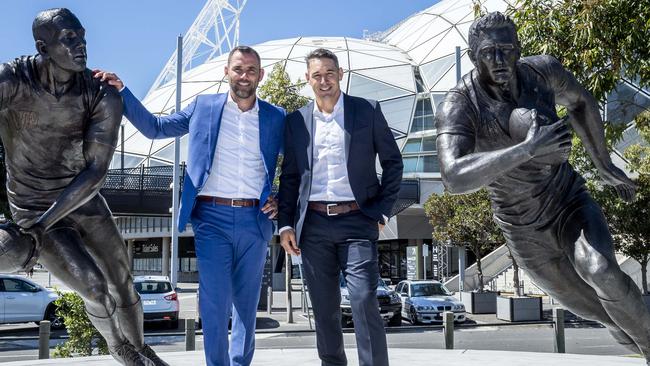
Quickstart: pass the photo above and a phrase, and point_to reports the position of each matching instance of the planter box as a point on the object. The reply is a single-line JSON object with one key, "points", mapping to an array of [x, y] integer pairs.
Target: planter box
{"points": [[480, 302], [517, 309]]}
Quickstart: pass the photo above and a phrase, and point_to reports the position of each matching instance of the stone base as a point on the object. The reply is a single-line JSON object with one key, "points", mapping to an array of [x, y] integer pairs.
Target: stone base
{"points": [[398, 357]]}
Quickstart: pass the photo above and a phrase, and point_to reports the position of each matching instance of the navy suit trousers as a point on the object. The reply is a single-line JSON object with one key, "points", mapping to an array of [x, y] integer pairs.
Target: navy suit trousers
{"points": [[344, 243]]}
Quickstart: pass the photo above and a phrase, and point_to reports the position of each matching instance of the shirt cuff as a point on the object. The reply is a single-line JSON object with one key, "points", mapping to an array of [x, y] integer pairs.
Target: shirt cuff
{"points": [[284, 228], [385, 220], [123, 87]]}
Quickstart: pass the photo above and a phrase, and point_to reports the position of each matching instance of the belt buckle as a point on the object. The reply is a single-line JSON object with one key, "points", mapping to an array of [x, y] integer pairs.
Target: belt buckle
{"points": [[328, 209], [232, 203]]}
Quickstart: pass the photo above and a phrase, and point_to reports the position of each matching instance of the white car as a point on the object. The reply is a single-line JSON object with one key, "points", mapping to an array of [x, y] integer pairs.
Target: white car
{"points": [[424, 301], [159, 299], [22, 301]]}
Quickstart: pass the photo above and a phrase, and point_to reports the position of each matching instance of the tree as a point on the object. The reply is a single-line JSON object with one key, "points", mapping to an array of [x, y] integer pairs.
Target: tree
{"points": [[600, 41], [465, 220], [597, 40], [279, 90], [83, 336]]}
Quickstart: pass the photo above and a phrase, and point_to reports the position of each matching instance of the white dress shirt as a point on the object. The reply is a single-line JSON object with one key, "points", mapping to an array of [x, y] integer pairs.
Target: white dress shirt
{"points": [[329, 168], [237, 169]]}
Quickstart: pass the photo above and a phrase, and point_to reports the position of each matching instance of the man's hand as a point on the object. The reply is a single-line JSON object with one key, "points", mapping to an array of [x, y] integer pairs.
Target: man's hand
{"points": [[109, 77], [615, 177], [288, 242], [270, 208], [543, 140], [380, 226]]}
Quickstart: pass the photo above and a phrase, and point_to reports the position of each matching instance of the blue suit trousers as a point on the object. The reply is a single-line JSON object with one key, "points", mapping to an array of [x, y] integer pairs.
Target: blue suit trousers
{"points": [[230, 251]]}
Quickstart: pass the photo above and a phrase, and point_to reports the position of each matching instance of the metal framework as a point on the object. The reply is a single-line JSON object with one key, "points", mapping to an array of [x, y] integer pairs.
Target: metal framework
{"points": [[215, 31]]}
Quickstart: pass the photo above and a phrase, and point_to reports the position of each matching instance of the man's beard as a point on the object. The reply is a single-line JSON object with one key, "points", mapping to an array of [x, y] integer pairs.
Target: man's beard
{"points": [[243, 92]]}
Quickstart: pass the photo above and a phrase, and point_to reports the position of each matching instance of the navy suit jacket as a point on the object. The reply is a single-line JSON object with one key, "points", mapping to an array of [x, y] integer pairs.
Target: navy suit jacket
{"points": [[367, 136], [201, 120]]}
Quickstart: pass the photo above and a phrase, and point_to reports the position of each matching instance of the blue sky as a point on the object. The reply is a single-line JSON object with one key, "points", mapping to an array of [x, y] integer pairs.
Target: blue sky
{"points": [[135, 38]]}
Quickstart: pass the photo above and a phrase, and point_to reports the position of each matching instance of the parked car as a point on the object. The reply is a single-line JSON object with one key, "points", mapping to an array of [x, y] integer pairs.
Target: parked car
{"points": [[390, 306], [159, 299], [424, 301], [22, 300]]}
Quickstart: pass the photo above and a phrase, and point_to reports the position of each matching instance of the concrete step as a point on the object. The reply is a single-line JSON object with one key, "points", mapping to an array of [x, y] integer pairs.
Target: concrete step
{"points": [[398, 357]]}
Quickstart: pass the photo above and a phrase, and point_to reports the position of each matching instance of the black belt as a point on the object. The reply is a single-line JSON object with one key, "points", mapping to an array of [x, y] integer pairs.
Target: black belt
{"points": [[333, 208]]}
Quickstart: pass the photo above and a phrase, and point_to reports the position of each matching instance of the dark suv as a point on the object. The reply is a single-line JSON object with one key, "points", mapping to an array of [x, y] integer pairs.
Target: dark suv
{"points": [[390, 304]]}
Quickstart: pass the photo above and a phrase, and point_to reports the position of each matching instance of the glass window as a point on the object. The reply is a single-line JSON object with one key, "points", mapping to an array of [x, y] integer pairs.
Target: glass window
{"points": [[12, 285], [429, 164], [429, 143], [429, 289], [152, 287], [410, 164], [368, 88], [423, 118], [413, 145]]}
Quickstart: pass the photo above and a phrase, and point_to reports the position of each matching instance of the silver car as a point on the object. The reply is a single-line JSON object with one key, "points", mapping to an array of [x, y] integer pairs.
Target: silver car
{"points": [[159, 299], [424, 301], [22, 300]]}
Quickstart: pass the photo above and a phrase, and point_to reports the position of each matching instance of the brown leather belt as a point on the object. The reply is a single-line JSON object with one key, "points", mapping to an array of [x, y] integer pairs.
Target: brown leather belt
{"points": [[333, 208], [232, 202]]}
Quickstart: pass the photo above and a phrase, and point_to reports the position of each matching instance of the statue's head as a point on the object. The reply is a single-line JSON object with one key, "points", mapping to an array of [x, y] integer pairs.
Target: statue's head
{"points": [[494, 47], [60, 38]]}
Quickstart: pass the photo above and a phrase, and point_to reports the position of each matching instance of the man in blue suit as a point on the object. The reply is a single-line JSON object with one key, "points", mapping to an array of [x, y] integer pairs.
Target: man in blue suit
{"points": [[233, 143]]}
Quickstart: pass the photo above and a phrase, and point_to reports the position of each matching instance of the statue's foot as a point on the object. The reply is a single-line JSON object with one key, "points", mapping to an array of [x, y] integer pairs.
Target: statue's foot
{"points": [[150, 354], [128, 356]]}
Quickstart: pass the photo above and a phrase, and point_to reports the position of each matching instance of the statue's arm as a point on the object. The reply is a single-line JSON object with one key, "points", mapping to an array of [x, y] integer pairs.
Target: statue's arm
{"points": [[99, 144], [7, 85], [588, 125], [465, 171], [462, 169]]}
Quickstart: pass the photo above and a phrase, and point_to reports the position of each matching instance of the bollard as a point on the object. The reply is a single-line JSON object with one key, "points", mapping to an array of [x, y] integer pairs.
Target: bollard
{"points": [[448, 319], [558, 326], [269, 300], [44, 340], [190, 333]]}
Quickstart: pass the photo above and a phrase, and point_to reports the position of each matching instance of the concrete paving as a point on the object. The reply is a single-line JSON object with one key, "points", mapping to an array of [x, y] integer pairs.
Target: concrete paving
{"points": [[398, 357]]}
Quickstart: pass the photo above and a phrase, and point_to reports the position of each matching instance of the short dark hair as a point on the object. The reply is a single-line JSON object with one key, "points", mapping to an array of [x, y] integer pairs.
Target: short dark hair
{"points": [[43, 28], [322, 53], [247, 50], [493, 20]]}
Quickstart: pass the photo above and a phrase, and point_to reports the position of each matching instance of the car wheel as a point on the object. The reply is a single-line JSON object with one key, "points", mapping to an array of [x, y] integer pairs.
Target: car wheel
{"points": [[56, 322], [413, 317], [396, 320]]}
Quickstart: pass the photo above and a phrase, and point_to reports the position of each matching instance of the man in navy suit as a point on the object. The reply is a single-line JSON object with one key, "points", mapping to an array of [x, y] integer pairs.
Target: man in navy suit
{"points": [[233, 143], [332, 206]]}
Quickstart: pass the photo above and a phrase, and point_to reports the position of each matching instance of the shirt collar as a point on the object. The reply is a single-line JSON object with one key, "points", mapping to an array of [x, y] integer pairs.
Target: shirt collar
{"points": [[231, 102], [338, 107]]}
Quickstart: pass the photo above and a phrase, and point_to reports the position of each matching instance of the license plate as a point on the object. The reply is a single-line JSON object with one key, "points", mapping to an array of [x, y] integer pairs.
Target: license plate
{"points": [[149, 302]]}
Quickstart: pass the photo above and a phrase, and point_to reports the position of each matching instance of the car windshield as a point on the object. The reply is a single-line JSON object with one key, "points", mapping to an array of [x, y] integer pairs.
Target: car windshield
{"points": [[153, 287], [429, 289]]}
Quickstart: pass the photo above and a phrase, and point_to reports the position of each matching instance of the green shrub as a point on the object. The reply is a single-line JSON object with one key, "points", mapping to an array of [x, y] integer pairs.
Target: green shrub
{"points": [[84, 337]]}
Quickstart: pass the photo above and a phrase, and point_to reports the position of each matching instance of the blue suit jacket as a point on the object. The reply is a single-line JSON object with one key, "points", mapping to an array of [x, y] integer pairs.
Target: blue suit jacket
{"points": [[201, 120]]}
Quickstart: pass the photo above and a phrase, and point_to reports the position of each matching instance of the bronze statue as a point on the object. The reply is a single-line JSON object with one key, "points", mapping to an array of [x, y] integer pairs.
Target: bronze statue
{"points": [[59, 130], [498, 129]]}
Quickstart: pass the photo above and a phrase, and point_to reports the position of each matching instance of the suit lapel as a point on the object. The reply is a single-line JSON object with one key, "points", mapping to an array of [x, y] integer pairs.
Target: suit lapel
{"points": [[216, 111], [348, 121], [309, 124], [265, 135]]}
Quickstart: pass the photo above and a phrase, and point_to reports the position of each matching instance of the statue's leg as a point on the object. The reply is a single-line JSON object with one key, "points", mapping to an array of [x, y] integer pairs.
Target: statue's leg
{"points": [[558, 279], [591, 250], [546, 260], [104, 243], [65, 256]]}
